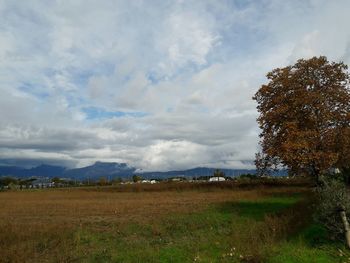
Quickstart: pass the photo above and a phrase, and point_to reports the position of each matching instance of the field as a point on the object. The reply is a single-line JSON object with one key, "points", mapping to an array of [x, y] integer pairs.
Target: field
{"points": [[210, 223]]}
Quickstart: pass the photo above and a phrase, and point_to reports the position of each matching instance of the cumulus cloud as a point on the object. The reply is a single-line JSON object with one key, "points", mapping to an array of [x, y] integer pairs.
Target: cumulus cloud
{"points": [[171, 81]]}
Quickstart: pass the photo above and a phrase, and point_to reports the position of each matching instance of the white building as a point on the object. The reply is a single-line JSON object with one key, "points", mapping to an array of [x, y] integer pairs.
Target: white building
{"points": [[217, 179]]}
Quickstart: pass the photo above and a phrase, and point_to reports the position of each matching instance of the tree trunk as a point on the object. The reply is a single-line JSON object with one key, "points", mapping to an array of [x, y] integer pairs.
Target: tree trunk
{"points": [[316, 175], [346, 227]]}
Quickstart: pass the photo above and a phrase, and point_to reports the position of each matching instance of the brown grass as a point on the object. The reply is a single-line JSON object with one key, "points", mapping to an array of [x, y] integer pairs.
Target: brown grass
{"points": [[75, 205], [39, 225]]}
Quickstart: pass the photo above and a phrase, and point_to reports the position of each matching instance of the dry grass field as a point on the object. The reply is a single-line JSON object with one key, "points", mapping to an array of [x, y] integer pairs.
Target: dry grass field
{"points": [[108, 225]]}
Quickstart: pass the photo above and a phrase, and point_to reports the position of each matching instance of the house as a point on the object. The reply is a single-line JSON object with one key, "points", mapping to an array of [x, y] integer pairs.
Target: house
{"points": [[179, 178], [42, 183], [217, 179]]}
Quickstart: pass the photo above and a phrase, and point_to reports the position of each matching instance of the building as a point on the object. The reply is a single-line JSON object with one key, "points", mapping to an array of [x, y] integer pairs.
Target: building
{"points": [[217, 179]]}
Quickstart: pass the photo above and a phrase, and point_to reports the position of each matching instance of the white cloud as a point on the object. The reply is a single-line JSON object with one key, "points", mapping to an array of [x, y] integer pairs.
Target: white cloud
{"points": [[190, 66], [189, 38]]}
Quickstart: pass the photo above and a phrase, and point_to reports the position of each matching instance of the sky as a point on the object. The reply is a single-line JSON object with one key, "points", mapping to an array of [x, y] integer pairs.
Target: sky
{"points": [[160, 85]]}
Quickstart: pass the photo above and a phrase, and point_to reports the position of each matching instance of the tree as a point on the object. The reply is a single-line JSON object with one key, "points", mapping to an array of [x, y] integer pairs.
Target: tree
{"points": [[116, 180], [25, 182], [102, 181], [56, 180], [136, 178], [264, 164], [218, 173], [7, 180], [305, 116]]}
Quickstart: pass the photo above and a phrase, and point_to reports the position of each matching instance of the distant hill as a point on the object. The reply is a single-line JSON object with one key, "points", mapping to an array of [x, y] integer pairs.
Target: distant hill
{"points": [[112, 170], [13, 171], [45, 170], [92, 172], [41, 170], [99, 169]]}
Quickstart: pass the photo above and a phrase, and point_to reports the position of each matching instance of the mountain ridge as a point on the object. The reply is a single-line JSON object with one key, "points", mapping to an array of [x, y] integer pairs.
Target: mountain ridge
{"points": [[113, 170]]}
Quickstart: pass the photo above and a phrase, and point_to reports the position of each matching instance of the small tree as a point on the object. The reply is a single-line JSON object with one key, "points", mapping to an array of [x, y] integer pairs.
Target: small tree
{"points": [[116, 180], [56, 180], [136, 178], [218, 173], [102, 181]]}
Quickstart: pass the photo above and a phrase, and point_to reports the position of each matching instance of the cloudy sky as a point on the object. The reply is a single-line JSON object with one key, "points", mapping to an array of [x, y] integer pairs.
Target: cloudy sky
{"points": [[157, 84]]}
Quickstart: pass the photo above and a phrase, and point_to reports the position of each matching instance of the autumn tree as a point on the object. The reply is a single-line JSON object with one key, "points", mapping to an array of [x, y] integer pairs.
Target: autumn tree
{"points": [[305, 116]]}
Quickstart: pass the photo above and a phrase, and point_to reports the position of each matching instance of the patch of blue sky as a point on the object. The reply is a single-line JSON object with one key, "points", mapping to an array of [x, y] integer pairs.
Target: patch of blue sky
{"points": [[75, 101], [96, 113], [81, 77], [239, 4], [34, 90], [242, 39], [104, 68], [155, 77], [170, 109], [186, 71]]}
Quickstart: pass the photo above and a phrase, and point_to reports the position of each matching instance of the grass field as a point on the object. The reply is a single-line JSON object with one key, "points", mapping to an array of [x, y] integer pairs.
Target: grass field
{"points": [[209, 224]]}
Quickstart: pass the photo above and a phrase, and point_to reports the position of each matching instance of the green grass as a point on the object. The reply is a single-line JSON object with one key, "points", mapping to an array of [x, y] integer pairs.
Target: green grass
{"points": [[220, 234], [258, 209], [310, 245], [190, 241], [299, 253]]}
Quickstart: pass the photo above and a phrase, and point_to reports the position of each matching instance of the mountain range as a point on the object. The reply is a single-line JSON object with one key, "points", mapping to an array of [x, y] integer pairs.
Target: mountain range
{"points": [[111, 170]]}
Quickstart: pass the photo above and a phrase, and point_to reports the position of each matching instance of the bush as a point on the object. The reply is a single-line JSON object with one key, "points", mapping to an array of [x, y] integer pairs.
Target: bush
{"points": [[333, 197]]}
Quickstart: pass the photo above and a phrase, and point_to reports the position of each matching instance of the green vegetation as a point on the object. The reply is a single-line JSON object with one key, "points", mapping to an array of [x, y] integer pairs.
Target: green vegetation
{"points": [[232, 232], [311, 245], [136, 178]]}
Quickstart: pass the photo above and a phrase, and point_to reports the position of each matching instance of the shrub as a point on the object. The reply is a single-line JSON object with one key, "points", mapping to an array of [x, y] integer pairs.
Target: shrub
{"points": [[333, 197]]}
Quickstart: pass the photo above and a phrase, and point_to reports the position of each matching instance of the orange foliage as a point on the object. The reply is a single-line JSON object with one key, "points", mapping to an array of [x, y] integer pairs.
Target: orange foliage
{"points": [[305, 115]]}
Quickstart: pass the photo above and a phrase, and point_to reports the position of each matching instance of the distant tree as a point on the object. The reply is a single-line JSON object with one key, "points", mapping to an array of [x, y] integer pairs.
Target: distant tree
{"points": [[203, 178], [117, 180], [56, 180], [7, 180], [12, 186], [102, 181], [71, 182], [305, 116], [218, 173], [25, 182], [248, 176], [136, 178]]}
